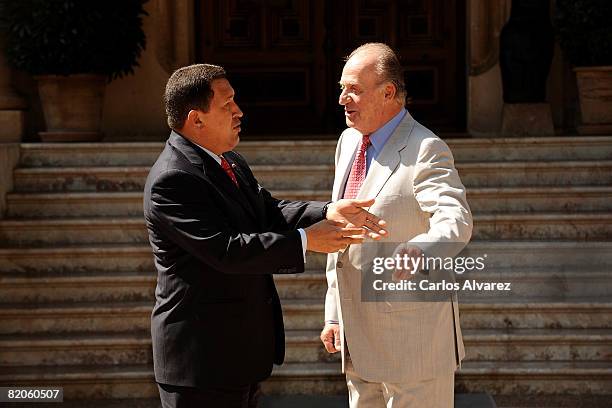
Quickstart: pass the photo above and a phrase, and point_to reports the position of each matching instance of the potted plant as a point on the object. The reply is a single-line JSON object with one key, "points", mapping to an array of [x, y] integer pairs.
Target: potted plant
{"points": [[585, 36], [73, 48]]}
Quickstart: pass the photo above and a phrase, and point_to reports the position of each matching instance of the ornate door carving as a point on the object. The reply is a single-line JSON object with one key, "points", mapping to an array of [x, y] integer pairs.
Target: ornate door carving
{"points": [[285, 57]]}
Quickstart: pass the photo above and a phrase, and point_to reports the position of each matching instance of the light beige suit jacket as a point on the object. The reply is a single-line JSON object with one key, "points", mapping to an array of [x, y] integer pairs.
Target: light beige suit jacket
{"points": [[419, 193]]}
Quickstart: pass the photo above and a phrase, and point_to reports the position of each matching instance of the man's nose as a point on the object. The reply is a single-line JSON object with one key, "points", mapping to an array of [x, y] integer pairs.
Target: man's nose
{"points": [[238, 112], [343, 99]]}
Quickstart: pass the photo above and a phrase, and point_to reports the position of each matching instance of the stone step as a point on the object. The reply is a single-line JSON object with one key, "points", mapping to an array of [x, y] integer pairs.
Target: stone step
{"points": [[518, 313], [538, 284], [108, 348], [304, 346], [505, 378], [75, 317], [315, 151], [481, 199], [65, 349], [125, 286], [317, 177], [508, 378], [535, 377], [108, 230], [489, 345], [538, 344], [86, 382], [556, 173], [543, 226], [300, 314], [499, 254], [102, 287], [540, 199], [133, 178], [94, 259], [96, 204]]}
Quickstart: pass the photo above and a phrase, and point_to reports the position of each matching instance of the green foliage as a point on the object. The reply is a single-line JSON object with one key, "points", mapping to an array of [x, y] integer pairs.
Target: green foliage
{"points": [[64, 37], [584, 29]]}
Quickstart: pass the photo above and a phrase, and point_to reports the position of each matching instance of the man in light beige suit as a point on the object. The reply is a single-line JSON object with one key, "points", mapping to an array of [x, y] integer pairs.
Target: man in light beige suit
{"points": [[394, 354]]}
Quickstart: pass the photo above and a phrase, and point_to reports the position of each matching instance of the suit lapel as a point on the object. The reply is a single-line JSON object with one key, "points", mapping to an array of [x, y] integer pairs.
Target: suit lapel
{"points": [[211, 170], [246, 191], [221, 180], [387, 160]]}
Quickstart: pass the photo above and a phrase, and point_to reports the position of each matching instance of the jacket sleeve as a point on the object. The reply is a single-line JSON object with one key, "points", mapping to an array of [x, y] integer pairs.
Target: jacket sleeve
{"points": [[439, 191], [190, 219]]}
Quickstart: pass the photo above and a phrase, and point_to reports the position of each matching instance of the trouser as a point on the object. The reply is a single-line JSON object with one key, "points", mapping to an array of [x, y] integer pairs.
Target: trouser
{"points": [[432, 393], [225, 396]]}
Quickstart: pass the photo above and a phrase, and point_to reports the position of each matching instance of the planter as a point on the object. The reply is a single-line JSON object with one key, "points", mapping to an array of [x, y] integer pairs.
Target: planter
{"points": [[595, 94], [72, 106]]}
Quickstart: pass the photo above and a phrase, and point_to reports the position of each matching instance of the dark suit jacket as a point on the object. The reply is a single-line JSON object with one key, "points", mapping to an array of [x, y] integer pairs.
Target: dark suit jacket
{"points": [[217, 317]]}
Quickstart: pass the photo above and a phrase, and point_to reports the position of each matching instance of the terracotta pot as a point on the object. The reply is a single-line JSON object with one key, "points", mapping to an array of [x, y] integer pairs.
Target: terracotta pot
{"points": [[595, 93], [72, 106]]}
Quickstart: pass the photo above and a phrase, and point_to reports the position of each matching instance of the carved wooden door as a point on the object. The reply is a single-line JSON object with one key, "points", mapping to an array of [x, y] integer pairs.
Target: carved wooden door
{"points": [[284, 57]]}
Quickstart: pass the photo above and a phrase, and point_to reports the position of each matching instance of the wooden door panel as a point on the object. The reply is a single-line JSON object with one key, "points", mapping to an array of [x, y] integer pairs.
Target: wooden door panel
{"points": [[285, 57]]}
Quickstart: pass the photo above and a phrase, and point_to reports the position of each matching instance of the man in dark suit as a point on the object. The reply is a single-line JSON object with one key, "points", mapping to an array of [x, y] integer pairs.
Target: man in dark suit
{"points": [[217, 237]]}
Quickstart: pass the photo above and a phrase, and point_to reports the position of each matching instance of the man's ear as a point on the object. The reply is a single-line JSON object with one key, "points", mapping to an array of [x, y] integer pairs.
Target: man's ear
{"points": [[194, 119], [390, 91]]}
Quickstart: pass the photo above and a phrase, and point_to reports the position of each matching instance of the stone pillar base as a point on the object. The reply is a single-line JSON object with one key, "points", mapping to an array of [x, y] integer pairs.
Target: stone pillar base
{"points": [[12, 125], [602, 129], [527, 119], [9, 157]]}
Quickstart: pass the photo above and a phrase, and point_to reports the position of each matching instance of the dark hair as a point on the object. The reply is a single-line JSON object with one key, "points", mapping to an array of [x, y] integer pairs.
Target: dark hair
{"points": [[388, 66], [190, 88]]}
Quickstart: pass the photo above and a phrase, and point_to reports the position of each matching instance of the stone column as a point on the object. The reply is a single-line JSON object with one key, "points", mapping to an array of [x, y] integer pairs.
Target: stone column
{"points": [[485, 21], [174, 37], [12, 106], [526, 51]]}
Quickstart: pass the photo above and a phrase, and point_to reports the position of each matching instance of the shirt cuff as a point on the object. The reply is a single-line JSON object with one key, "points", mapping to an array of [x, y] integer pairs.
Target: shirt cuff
{"points": [[304, 242], [331, 322]]}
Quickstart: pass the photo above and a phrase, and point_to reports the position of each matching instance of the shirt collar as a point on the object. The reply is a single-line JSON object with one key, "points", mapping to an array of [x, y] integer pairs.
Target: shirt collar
{"points": [[380, 136], [214, 156]]}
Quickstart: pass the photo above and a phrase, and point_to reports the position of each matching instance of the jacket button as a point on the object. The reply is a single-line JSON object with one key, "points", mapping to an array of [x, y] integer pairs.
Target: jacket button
{"points": [[269, 301], [339, 264]]}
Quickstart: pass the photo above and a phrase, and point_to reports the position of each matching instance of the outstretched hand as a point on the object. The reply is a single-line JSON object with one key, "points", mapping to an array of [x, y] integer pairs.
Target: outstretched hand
{"points": [[352, 212]]}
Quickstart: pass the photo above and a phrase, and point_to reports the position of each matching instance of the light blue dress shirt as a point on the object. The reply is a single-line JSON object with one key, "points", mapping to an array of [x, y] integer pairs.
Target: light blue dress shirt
{"points": [[379, 138]]}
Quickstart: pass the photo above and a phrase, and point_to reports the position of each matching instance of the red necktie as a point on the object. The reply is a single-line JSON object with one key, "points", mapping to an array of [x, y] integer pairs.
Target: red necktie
{"points": [[358, 170], [228, 170]]}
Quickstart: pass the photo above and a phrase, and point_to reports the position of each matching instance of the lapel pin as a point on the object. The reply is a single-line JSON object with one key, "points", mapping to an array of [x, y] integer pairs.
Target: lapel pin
{"points": [[233, 165]]}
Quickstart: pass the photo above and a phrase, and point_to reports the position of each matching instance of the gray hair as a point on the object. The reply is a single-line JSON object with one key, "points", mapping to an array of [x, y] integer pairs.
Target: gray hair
{"points": [[388, 67]]}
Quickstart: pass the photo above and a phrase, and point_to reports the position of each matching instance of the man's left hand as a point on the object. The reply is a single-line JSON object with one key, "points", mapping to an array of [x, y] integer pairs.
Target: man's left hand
{"points": [[352, 211], [414, 255]]}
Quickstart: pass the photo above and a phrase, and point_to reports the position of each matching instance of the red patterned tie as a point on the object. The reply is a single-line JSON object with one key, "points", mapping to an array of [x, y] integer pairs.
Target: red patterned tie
{"points": [[228, 170], [358, 170]]}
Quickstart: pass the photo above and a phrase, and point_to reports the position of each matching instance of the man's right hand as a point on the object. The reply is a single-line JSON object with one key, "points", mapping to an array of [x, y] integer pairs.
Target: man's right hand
{"points": [[330, 336], [331, 236]]}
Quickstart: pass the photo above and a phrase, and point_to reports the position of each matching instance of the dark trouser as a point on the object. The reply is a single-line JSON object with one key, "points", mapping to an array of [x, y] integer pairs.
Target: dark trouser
{"points": [[225, 396]]}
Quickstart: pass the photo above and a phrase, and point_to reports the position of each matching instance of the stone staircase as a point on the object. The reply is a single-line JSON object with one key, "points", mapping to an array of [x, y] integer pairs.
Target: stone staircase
{"points": [[77, 277]]}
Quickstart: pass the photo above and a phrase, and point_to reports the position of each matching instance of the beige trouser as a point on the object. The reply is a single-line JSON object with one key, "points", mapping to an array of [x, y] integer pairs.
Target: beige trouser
{"points": [[434, 393]]}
